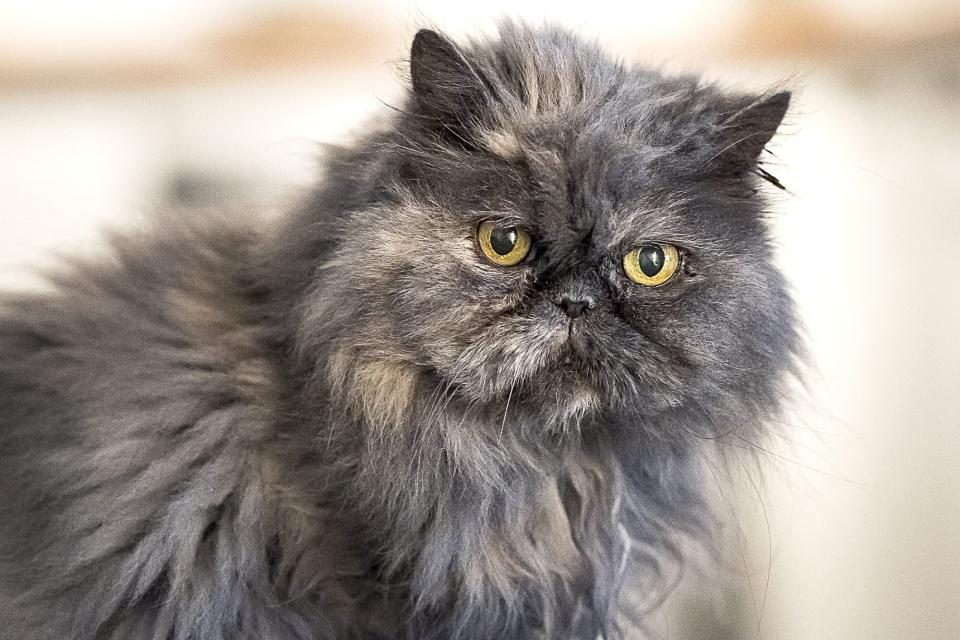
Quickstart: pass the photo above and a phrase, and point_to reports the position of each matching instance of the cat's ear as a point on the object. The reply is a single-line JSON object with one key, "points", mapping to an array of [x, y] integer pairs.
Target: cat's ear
{"points": [[743, 134], [445, 84]]}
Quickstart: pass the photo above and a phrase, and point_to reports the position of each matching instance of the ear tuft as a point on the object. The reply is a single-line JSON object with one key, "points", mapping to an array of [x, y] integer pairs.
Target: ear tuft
{"points": [[444, 83], [744, 134], [433, 60]]}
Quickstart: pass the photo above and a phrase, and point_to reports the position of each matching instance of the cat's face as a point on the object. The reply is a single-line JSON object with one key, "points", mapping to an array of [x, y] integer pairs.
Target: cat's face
{"points": [[574, 258]]}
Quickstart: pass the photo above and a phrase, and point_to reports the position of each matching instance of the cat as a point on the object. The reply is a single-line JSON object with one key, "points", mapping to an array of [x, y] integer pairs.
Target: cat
{"points": [[463, 392]]}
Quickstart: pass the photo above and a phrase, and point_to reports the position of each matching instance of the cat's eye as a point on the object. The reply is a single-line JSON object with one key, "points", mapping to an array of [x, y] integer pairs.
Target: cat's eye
{"points": [[652, 264], [504, 246]]}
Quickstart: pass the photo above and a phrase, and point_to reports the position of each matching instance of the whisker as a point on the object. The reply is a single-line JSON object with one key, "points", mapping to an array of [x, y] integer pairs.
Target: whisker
{"points": [[505, 410], [756, 447], [731, 511], [766, 519]]}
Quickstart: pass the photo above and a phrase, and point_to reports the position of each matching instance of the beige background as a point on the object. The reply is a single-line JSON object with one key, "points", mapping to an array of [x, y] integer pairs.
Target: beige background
{"points": [[113, 108]]}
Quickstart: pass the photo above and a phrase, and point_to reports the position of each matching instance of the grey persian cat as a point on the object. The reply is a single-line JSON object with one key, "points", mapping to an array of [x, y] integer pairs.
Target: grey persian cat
{"points": [[462, 393]]}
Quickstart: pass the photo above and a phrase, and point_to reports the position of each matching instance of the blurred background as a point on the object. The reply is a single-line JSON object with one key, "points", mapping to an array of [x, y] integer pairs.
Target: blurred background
{"points": [[114, 108]]}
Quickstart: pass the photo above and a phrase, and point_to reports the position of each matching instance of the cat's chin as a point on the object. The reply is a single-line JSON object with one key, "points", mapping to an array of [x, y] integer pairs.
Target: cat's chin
{"points": [[576, 400], [568, 380], [565, 393]]}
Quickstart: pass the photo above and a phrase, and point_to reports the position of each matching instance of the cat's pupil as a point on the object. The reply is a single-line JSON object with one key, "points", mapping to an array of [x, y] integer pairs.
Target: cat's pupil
{"points": [[503, 240], [651, 260]]}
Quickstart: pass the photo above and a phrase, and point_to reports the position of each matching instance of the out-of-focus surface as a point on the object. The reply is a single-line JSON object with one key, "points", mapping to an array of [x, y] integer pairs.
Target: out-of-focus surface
{"points": [[111, 109]]}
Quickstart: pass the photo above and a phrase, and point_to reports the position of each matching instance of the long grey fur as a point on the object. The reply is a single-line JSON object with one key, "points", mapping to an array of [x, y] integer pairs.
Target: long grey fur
{"points": [[353, 426]]}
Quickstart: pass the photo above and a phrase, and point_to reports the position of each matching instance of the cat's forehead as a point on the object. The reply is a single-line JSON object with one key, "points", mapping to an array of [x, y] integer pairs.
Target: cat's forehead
{"points": [[591, 182], [555, 133]]}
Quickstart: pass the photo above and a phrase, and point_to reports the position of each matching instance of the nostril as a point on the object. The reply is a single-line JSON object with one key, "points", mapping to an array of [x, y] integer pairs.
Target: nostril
{"points": [[575, 307]]}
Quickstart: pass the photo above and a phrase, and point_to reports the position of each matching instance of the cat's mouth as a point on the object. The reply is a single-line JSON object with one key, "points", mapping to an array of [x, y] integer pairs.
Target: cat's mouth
{"points": [[577, 345], [576, 364], [532, 356], [573, 352]]}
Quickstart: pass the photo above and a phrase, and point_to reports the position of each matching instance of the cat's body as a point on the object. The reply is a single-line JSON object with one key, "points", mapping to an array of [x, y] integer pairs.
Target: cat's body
{"points": [[354, 427]]}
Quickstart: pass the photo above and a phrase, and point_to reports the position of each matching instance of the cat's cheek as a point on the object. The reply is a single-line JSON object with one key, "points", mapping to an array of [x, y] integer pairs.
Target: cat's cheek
{"points": [[641, 306]]}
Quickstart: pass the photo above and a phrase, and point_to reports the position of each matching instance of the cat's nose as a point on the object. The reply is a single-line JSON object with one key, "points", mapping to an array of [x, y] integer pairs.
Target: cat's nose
{"points": [[575, 306]]}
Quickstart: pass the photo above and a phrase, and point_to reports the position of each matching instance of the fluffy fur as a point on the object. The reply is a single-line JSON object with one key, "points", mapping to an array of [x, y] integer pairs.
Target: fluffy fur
{"points": [[355, 426]]}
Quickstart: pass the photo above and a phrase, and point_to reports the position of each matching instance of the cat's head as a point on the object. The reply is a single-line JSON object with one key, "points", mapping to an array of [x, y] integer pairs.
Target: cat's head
{"points": [[546, 228]]}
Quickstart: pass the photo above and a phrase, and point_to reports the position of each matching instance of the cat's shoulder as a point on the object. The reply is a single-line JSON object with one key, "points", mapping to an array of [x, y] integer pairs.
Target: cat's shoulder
{"points": [[162, 319], [178, 294], [134, 398]]}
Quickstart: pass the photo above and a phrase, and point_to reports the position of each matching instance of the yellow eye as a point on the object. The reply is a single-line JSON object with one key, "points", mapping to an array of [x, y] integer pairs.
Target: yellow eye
{"points": [[652, 264], [505, 246]]}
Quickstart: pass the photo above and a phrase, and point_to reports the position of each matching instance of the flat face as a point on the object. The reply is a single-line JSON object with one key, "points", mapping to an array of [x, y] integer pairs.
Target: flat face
{"points": [[623, 162]]}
